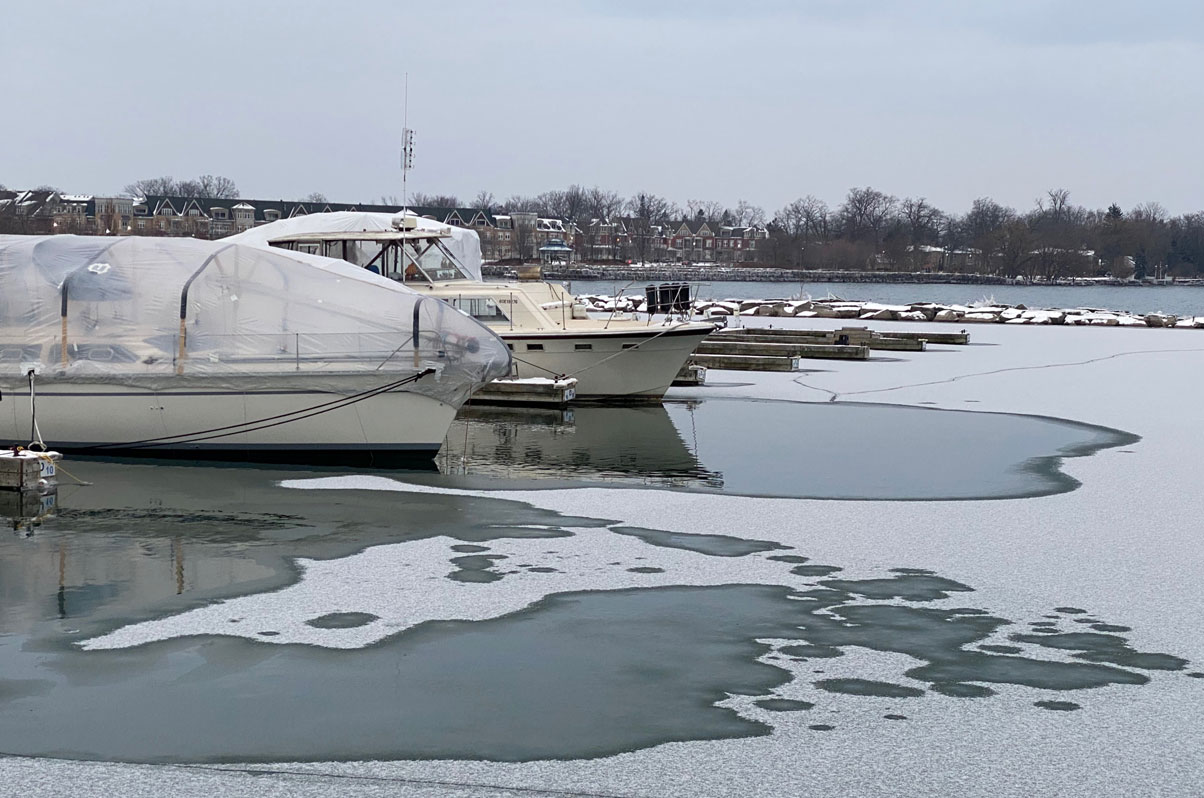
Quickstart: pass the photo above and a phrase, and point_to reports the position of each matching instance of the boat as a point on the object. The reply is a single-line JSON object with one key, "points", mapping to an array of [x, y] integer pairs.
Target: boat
{"points": [[550, 335], [178, 347]]}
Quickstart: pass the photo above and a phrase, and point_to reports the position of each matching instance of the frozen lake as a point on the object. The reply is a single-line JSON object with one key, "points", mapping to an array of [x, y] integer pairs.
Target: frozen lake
{"points": [[985, 556]]}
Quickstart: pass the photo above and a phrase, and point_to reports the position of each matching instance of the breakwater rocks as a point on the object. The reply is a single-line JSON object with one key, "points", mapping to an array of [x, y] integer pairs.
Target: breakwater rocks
{"points": [[716, 273], [920, 311]]}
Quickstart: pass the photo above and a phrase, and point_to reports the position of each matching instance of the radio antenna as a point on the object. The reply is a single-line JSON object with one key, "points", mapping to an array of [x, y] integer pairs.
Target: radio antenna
{"points": [[407, 145]]}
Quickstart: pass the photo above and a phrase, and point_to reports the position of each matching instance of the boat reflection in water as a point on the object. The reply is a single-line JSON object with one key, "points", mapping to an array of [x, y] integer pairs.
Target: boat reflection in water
{"points": [[777, 448], [588, 443]]}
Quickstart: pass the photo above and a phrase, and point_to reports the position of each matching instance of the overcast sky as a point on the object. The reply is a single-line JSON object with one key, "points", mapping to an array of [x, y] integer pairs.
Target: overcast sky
{"points": [[764, 101]]}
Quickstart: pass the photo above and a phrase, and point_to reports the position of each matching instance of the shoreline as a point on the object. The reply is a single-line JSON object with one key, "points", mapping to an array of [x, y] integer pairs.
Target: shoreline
{"points": [[714, 273], [860, 310]]}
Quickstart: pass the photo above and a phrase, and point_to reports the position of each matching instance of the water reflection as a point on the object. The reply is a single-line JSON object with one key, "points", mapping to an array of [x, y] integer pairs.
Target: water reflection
{"points": [[611, 648], [594, 443], [144, 539], [773, 448], [24, 511]]}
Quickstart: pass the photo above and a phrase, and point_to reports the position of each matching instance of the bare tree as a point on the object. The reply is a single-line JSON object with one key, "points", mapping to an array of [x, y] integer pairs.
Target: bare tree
{"points": [[314, 196], [982, 229], [550, 203], [216, 187], [516, 203], [485, 201], [603, 204], [648, 212], [1015, 246], [788, 233], [573, 203], [160, 186], [865, 214], [923, 220], [705, 209], [818, 218], [524, 233], [188, 188], [422, 200], [597, 221], [1150, 235], [1054, 202], [745, 214], [205, 186]]}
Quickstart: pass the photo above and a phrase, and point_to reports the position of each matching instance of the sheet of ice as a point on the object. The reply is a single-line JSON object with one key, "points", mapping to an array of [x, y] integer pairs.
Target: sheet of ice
{"points": [[1125, 545], [405, 584]]}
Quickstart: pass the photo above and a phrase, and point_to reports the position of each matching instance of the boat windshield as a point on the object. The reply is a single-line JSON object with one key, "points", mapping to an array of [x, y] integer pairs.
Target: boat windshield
{"points": [[482, 308], [408, 257]]}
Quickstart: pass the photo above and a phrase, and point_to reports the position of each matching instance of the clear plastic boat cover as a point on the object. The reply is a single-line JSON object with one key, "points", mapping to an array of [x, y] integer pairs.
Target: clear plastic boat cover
{"points": [[155, 311], [464, 244]]}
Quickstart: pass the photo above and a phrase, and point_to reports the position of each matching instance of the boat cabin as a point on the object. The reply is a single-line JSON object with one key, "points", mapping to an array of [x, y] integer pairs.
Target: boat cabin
{"points": [[422, 261], [408, 256]]}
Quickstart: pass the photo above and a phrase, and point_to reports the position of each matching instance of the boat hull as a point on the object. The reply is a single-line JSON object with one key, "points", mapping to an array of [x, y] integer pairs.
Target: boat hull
{"points": [[623, 364], [281, 420]]}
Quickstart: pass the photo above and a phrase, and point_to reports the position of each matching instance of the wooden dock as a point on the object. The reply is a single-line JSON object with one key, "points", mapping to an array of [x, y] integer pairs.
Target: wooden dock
{"points": [[25, 470], [746, 362], [690, 375], [829, 339], [533, 391], [893, 340], [731, 345]]}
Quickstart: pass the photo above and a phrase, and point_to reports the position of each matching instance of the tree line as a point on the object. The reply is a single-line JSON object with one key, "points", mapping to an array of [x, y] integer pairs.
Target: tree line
{"points": [[1055, 238], [873, 230], [868, 230]]}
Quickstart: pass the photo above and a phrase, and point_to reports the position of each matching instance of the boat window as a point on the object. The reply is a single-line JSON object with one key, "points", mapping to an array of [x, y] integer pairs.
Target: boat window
{"points": [[481, 308], [582, 347], [534, 347], [430, 259], [15, 353]]}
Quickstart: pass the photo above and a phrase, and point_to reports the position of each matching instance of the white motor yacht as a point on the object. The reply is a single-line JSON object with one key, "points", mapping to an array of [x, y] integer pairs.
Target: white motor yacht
{"points": [[548, 333], [169, 346]]}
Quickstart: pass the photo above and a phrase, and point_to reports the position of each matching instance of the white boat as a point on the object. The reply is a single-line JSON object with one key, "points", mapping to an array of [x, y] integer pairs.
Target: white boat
{"points": [[548, 333], [177, 347]]}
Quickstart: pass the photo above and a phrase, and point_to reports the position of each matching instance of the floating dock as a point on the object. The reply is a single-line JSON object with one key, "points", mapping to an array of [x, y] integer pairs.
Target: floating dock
{"points": [[691, 375], [746, 362], [25, 470], [537, 391], [955, 338], [722, 344], [905, 342]]}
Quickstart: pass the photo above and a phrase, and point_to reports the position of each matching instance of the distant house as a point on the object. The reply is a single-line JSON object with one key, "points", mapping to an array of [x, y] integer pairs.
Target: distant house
{"points": [[604, 240], [28, 211], [212, 218]]}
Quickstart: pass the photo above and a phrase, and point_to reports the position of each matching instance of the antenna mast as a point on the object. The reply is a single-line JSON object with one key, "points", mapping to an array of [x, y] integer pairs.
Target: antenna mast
{"points": [[407, 145]]}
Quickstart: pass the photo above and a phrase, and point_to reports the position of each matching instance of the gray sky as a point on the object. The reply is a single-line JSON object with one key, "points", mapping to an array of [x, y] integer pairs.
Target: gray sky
{"points": [[766, 101]]}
